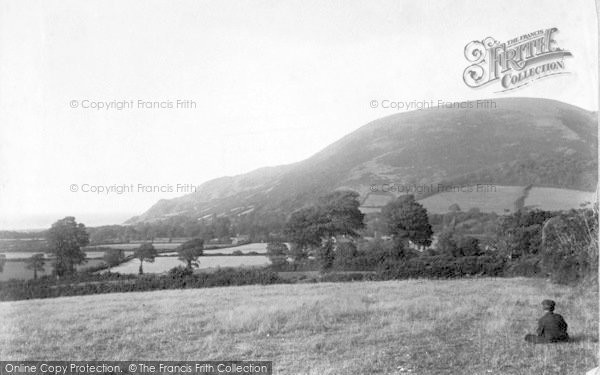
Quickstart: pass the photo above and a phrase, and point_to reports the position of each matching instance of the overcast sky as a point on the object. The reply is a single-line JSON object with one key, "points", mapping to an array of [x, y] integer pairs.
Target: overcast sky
{"points": [[273, 82]]}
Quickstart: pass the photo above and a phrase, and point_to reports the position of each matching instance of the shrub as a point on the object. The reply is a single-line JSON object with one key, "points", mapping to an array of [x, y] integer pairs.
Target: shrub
{"points": [[570, 245], [345, 253], [444, 266], [307, 264], [176, 278], [180, 272], [528, 266], [457, 245], [345, 277]]}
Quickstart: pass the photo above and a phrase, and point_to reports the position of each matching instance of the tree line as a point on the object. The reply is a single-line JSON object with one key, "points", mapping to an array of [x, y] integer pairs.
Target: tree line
{"points": [[66, 238], [329, 235], [529, 242]]}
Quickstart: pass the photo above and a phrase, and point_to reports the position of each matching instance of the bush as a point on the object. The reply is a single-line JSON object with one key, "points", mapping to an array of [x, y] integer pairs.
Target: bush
{"points": [[443, 266], [277, 253], [371, 256], [345, 253], [176, 278], [570, 245], [180, 272], [306, 264], [345, 277], [457, 245], [528, 266]]}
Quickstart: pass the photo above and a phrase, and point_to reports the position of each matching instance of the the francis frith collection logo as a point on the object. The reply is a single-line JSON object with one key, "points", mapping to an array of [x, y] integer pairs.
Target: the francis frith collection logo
{"points": [[514, 63]]}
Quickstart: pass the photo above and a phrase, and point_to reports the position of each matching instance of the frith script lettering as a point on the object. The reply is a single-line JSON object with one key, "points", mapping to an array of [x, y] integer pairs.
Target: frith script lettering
{"points": [[516, 62]]}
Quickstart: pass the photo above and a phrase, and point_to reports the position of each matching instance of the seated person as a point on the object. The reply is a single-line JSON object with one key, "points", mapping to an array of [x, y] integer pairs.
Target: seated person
{"points": [[551, 327]]}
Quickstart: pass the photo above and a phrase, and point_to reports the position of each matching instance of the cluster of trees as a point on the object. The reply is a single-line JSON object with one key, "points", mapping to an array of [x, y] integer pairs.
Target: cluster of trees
{"points": [[456, 245], [570, 245], [468, 223], [530, 242], [563, 245], [328, 231], [178, 226], [259, 227], [520, 234], [188, 252], [313, 230], [14, 235], [329, 235], [66, 238]]}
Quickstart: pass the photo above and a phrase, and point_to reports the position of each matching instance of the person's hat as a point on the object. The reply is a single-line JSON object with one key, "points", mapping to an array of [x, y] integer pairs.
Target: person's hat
{"points": [[548, 304]]}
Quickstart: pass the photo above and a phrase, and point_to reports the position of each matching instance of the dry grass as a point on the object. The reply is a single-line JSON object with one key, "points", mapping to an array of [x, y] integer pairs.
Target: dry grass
{"points": [[497, 200], [464, 326]]}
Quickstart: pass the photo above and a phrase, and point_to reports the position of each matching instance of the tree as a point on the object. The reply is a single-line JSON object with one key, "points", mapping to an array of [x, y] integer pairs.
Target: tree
{"points": [[341, 208], [297, 253], [36, 263], [570, 245], [114, 257], [375, 225], [345, 253], [407, 220], [446, 243], [277, 253], [326, 254], [520, 234], [2, 262], [305, 228], [468, 246], [146, 252], [221, 228], [190, 251], [457, 245], [315, 227], [65, 239], [386, 255]]}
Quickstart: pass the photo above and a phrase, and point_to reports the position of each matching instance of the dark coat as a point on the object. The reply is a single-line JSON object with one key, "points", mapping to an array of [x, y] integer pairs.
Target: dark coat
{"points": [[552, 327]]}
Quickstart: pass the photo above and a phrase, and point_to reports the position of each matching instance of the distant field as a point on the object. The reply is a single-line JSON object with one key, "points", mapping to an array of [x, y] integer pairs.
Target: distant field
{"points": [[16, 245], [469, 326], [29, 247], [164, 264], [260, 248], [15, 269], [369, 210], [132, 246], [157, 246], [500, 200], [377, 200], [504, 198], [558, 199]]}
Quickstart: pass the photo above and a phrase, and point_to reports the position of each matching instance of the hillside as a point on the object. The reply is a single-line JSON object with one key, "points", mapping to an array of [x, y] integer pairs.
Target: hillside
{"points": [[522, 142], [469, 326]]}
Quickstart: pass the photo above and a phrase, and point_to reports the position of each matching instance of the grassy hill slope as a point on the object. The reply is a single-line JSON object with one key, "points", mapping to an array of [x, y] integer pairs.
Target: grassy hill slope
{"points": [[468, 326], [521, 142]]}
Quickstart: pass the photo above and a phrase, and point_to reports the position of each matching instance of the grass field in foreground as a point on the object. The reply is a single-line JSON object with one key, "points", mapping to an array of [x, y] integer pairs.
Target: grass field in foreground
{"points": [[468, 326]]}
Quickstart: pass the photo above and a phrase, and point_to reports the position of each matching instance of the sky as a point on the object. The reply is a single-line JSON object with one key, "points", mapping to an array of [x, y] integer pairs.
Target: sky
{"points": [[259, 83]]}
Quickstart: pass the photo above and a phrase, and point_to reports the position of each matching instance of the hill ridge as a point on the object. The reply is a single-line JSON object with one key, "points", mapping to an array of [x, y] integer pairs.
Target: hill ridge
{"points": [[523, 141]]}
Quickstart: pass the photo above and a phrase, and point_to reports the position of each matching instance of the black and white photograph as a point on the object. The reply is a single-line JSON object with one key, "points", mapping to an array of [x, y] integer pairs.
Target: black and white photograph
{"points": [[303, 187]]}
